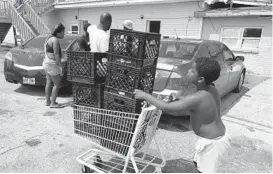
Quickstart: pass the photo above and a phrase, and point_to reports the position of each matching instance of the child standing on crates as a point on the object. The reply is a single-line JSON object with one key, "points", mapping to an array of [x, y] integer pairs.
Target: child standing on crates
{"points": [[204, 106]]}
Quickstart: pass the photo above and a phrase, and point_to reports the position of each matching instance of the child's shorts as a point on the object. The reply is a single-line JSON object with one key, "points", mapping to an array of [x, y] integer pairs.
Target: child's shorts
{"points": [[210, 153]]}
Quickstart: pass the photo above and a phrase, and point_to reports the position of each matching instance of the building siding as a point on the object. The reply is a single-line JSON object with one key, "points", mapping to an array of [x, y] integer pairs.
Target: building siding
{"points": [[256, 63], [174, 16]]}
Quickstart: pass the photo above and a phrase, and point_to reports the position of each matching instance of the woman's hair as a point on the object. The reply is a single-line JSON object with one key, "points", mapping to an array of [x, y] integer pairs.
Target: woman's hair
{"points": [[208, 68], [57, 29]]}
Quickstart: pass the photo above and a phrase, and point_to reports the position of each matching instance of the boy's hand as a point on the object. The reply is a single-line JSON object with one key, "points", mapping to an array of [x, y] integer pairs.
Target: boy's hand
{"points": [[140, 94]]}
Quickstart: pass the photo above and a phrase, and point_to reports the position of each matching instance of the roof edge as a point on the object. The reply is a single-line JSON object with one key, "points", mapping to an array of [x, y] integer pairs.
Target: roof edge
{"points": [[90, 4], [258, 11]]}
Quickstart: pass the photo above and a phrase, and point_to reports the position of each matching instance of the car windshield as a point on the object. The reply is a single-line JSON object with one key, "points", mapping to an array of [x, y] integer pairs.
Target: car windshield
{"points": [[177, 50], [38, 42]]}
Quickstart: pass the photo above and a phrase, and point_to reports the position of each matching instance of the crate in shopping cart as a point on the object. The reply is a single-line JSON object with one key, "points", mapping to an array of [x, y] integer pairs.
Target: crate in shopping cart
{"points": [[125, 79], [117, 102], [88, 95], [86, 67], [131, 61], [134, 44]]}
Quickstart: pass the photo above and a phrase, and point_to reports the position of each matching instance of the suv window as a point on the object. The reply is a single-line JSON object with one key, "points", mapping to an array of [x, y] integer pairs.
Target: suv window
{"points": [[227, 54]]}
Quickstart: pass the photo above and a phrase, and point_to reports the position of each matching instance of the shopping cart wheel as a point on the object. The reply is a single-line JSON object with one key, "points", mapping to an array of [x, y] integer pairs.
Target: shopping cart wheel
{"points": [[158, 170], [86, 169], [98, 161]]}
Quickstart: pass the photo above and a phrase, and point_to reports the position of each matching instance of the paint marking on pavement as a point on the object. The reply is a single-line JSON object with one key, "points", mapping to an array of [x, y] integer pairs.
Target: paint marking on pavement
{"points": [[248, 124]]}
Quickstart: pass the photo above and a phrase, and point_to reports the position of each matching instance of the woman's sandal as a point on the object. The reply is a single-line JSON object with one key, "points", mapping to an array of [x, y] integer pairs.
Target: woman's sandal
{"points": [[48, 104], [57, 106]]}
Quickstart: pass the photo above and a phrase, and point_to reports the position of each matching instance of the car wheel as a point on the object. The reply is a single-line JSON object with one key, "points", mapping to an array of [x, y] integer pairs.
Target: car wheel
{"points": [[240, 83]]}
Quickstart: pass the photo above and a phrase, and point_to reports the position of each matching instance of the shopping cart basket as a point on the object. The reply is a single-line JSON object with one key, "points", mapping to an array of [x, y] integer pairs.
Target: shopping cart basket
{"points": [[121, 140]]}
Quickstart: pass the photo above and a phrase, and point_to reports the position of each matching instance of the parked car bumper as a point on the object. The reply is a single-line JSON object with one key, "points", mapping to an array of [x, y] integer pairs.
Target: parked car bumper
{"points": [[15, 74]]}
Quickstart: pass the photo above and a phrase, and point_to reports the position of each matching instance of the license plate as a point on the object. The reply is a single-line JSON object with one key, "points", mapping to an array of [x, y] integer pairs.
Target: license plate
{"points": [[29, 81]]}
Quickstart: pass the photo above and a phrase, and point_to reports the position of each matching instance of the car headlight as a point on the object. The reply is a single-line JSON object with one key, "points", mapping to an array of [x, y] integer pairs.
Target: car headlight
{"points": [[9, 56], [176, 82]]}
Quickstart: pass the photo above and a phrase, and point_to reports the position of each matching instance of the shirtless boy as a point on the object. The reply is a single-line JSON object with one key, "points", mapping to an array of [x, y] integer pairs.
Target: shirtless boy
{"points": [[204, 106]]}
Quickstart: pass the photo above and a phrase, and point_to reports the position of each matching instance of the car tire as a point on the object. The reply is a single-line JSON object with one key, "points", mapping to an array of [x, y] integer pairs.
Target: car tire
{"points": [[240, 83]]}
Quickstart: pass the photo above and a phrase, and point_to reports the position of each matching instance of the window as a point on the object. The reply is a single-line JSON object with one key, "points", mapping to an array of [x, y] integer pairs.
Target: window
{"points": [[74, 29], [215, 53], [153, 26], [228, 56], [251, 37], [241, 38], [177, 50]]}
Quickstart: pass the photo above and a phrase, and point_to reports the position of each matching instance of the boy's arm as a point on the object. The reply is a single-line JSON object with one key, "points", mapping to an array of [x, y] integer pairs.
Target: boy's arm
{"points": [[173, 108]]}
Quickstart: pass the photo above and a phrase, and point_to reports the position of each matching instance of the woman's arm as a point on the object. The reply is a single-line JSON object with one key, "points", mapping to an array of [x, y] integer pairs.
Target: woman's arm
{"points": [[56, 48]]}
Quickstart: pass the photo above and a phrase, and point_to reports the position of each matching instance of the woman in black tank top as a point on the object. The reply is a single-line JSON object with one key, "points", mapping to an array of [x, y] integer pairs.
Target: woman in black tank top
{"points": [[53, 66]]}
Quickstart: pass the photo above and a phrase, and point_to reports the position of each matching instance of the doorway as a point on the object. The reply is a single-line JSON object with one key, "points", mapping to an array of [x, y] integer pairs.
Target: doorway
{"points": [[153, 26]]}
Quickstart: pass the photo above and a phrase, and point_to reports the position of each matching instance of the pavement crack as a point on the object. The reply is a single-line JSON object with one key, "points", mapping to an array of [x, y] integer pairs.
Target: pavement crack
{"points": [[2, 153], [23, 144]]}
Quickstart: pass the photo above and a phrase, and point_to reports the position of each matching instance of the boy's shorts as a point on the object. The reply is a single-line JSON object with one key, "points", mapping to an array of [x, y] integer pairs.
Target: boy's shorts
{"points": [[210, 153]]}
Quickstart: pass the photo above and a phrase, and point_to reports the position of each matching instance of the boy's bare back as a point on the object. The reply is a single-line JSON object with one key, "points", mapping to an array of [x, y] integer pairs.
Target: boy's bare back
{"points": [[206, 120]]}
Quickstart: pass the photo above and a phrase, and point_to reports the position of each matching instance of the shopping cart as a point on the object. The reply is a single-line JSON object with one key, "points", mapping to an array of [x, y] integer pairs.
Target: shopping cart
{"points": [[121, 140]]}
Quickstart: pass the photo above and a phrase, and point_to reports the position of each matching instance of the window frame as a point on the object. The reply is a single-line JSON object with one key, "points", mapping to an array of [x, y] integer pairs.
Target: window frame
{"points": [[71, 31], [241, 38]]}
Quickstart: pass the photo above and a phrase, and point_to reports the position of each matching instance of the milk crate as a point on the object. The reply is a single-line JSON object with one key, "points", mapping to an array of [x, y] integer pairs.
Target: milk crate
{"points": [[117, 102], [125, 79], [86, 67], [88, 95], [134, 44], [131, 62]]}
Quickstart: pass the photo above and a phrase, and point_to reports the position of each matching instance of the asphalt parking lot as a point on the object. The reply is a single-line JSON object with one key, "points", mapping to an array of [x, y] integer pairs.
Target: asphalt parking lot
{"points": [[35, 138]]}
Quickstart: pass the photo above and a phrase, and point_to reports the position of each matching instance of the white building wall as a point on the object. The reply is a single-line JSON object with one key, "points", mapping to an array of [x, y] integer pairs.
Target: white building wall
{"points": [[174, 16], [259, 63]]}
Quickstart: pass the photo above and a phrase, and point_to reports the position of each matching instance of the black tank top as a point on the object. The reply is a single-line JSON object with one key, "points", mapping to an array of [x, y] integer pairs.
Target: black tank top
{"points": [[50, 49]]}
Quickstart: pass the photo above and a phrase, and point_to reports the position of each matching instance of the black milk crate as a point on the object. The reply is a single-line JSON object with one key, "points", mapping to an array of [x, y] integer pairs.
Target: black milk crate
{"points": [[88, 95], [132, 62], [121, 92], [117, 102], [86, 67], [134, 44], [127, 79]]}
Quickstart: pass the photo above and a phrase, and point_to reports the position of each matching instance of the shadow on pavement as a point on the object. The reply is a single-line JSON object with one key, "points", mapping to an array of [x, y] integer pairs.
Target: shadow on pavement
{"points": [[39, 91], [174, 124], [229, 100], [31, 90], [179, 166]]}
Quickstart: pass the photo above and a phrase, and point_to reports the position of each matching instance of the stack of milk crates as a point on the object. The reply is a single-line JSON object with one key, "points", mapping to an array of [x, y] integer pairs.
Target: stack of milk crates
{"points": [[108, 81], [87, 73], [132, 61]]}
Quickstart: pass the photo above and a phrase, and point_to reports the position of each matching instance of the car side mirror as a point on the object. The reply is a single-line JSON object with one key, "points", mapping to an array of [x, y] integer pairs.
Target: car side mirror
{"points": [[242, 58]]}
